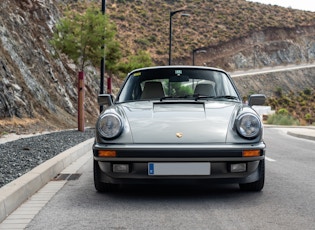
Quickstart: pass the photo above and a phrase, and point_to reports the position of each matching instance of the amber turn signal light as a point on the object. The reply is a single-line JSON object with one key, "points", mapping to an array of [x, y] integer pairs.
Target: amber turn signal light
{"points": [[107, 153], [251, 153]]}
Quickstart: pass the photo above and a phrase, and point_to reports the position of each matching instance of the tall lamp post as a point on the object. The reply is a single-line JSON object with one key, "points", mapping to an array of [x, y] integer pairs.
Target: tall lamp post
{"points": [[172, 13], [102, 70], [196, 51]]}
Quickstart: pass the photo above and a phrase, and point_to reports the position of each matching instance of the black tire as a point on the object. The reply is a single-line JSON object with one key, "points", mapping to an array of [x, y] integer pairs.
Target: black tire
{"points": [[256, 186], [101, 186]]}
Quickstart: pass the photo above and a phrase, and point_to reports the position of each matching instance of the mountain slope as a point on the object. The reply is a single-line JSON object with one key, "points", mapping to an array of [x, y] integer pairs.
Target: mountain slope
{"points": [[33, 84], [39, 92], [144, 24]]}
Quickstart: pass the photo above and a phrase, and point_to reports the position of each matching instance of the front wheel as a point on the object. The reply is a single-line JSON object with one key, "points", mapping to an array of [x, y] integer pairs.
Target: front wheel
{"points": [[257, 185], [101, 186]]}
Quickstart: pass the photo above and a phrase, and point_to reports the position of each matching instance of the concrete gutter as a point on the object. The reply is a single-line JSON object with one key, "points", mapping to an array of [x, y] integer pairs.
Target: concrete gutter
{"points": [[13, 194], [303, 133]]}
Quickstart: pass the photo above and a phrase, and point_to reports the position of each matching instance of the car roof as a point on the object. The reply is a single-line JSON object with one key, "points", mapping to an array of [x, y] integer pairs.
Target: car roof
{"points": [[178, 66]]}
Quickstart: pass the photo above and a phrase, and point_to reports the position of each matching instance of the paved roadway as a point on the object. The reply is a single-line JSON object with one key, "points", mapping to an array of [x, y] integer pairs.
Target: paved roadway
{"points": [[266, 70], [287, 201]]}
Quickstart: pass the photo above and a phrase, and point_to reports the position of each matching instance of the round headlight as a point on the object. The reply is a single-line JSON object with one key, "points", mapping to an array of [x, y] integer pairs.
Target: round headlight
{"points": [[110, 126], [248, 125]]}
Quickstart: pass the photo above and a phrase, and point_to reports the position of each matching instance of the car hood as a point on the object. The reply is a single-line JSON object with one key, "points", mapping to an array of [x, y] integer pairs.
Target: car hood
{"points": [[185, 122]]}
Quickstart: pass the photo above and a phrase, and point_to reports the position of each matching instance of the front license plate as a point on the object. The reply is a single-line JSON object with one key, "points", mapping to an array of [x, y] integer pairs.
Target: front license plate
{"points": [[179, 168]]}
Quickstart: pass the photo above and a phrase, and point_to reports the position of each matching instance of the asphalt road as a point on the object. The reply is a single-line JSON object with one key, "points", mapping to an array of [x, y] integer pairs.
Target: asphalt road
{"points": [[287, 201], [273, 69]]}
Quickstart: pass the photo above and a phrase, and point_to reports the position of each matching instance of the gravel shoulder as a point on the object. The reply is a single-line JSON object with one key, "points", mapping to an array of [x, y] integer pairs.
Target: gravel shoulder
{"points": [[19, 156]]}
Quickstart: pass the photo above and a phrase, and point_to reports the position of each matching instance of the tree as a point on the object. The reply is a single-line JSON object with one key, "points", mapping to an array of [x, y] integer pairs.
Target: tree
{"points": [[139, 60], [81, 36]]}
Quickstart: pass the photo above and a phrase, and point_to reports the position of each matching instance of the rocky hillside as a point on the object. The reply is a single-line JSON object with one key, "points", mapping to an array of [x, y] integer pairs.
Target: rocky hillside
{"points": [[33, 84], [269, 47], [234, 33], [39, 92], [290, 81]]}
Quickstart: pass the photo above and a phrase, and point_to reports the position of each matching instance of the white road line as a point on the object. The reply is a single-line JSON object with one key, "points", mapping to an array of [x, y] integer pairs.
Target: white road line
{"points": [[270, 159]]}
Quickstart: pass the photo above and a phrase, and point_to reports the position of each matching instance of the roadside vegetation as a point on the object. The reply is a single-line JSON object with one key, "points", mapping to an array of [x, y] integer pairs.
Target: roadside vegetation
{"points": [[144, 25], [85, 35], [292, 108]]}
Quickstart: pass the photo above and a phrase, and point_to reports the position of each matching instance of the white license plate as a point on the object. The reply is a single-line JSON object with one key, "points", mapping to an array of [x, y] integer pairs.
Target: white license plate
{"points": [[179, 168]]}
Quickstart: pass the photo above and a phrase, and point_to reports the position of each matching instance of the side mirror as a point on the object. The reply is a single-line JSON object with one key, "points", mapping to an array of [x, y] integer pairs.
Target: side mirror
{"points": [[256, 99], [105, 99]]}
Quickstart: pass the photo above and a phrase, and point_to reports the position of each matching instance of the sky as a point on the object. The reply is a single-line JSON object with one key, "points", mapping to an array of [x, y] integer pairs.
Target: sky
{"points": [[308, 5]]}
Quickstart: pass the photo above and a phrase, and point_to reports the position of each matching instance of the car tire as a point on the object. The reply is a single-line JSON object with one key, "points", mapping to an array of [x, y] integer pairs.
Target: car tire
{"points": [[101, 186], [257, 185]]}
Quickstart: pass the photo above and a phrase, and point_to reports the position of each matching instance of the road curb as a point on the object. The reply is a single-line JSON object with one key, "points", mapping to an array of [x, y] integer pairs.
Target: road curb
{"points": [[13, 194], [301, 136]]}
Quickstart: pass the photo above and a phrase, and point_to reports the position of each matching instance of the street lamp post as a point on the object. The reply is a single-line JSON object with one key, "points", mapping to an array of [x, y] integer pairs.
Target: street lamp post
{"points": [[102, 70], [196, 51], [172, 13]]}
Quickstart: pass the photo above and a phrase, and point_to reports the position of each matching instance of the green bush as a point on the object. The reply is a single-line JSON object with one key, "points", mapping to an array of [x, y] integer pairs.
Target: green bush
{"points": [[282, 119], [278, 92], [142, 41], [283, 112], [303, 103], [139, 60], [308, 118], [307, 91]]}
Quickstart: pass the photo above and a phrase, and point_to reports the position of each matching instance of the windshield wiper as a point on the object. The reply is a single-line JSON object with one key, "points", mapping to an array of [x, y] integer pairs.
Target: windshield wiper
{"points": [[165, 98], [174, 97], [197, 97], [218, 97], [227, 97]]}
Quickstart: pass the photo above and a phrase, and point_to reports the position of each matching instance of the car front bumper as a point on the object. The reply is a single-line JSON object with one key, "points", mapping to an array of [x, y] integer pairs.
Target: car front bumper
{"points": [[138, 157]]}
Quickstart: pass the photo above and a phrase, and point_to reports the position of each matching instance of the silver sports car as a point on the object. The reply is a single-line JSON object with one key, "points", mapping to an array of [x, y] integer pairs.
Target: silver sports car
{"points": [[177, 124]]}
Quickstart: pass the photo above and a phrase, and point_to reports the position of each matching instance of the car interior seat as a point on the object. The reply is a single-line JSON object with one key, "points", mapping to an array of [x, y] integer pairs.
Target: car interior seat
{"points": [[152, 89], [204, 90]]}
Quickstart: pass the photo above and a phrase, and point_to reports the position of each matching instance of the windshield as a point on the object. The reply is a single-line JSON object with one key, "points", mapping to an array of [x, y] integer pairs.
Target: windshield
{"points": [[175, 83]]}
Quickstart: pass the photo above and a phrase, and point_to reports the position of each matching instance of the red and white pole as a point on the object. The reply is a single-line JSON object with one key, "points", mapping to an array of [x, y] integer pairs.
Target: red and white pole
{"points": [[81, 101]]}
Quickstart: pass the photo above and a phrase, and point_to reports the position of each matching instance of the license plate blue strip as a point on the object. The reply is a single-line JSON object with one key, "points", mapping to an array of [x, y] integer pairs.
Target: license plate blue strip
{"points": [[151, 168]]}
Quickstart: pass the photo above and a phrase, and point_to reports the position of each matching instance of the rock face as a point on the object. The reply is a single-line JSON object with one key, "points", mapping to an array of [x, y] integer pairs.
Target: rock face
{"points": [[32, 81], [271, 47], [268, 84], [34, 84]]}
